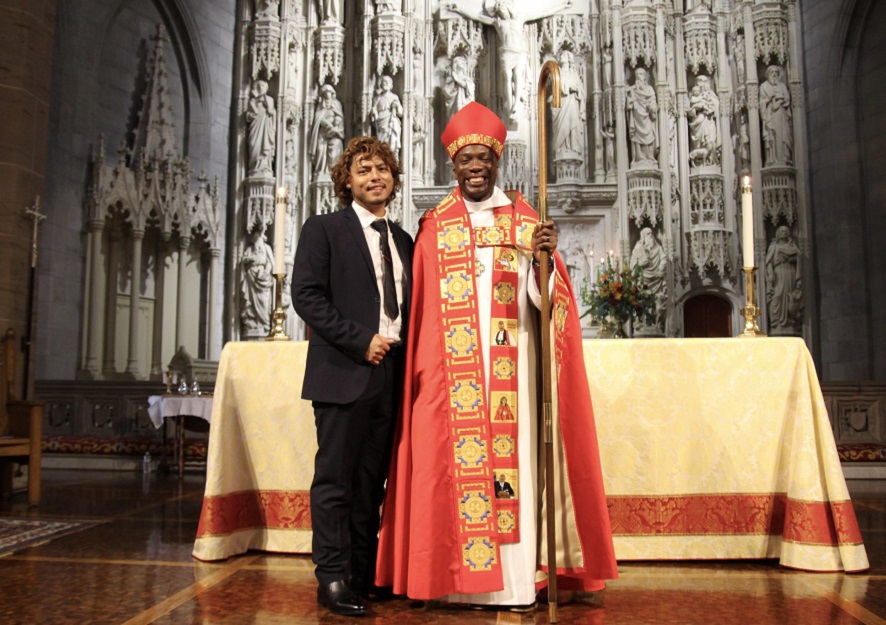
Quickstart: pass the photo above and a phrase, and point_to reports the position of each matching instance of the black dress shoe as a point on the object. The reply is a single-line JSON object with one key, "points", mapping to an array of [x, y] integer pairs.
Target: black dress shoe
{"points": [[340, 599], [377, 593]]}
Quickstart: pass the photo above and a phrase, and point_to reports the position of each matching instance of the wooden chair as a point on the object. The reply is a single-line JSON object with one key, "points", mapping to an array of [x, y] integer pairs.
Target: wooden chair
{"points": [[21, 425]]}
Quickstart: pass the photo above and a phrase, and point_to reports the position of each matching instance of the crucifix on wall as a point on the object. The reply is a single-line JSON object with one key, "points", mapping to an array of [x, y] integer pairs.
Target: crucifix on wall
{"points": [[33, 213]]}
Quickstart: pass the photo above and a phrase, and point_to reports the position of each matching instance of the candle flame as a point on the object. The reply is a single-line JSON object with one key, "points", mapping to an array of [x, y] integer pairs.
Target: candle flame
{"points": [[281, 193]]}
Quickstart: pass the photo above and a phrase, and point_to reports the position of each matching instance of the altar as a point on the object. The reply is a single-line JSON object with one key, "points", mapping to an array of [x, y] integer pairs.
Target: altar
{"points": [[710, 448]]}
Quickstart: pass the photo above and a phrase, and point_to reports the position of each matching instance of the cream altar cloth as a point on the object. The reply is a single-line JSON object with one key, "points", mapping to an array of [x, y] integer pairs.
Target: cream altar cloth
{"points": [[260, 459], [711, 449]]}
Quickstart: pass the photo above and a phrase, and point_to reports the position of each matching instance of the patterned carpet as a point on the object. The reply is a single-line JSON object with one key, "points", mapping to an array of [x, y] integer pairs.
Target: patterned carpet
{"points": [[17, 534]]}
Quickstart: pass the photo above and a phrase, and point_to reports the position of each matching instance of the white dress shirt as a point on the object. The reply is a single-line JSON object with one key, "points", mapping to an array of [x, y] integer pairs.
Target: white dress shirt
{"points": [[387, 327]]}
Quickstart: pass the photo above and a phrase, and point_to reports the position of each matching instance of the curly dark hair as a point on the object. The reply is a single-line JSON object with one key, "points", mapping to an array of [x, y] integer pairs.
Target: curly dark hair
{"points": [[363, 148]]}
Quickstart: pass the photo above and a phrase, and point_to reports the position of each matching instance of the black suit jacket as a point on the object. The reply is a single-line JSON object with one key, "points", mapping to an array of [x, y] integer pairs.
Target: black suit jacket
{"points": [[503, 488], [334, 291]]}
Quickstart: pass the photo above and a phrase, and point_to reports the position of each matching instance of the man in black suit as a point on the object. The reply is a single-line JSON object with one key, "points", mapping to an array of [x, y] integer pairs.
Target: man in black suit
{"points": [[351, 284]]}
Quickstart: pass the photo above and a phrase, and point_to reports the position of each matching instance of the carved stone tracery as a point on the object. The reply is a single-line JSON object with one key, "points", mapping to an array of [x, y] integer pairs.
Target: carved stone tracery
{"points": [[329, 42], [146, 199], [387, 40], [644, 196], [265, 45], [638, 38], [700, 47], [604, 168], [771, 33]]}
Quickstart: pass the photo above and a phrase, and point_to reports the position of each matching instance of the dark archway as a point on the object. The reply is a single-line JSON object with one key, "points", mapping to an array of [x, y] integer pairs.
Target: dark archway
{"points": [[707, 316]]}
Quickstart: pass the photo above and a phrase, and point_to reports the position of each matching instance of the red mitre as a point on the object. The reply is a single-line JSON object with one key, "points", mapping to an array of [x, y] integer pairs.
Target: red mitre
{"points": [[474, 124]]}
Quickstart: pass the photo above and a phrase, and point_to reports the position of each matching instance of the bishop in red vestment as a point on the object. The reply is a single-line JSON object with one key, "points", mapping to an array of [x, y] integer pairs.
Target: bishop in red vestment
{"points": [[444, 533]]}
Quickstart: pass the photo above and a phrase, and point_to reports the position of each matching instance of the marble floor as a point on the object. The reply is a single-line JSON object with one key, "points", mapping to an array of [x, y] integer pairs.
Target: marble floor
{"points": [[137, 568]]}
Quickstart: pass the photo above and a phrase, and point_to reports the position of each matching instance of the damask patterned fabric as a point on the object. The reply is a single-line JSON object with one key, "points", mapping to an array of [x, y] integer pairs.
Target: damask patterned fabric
{"points": [[720, 448], [261, 454], [711, 449]]}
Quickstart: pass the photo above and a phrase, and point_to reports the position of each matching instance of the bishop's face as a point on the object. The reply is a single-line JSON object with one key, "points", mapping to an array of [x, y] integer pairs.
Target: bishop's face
{"points": [[476, 168]]}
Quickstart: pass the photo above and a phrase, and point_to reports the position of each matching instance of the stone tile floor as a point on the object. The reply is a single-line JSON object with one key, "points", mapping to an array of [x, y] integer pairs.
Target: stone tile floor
{"points": [[137, 568]]}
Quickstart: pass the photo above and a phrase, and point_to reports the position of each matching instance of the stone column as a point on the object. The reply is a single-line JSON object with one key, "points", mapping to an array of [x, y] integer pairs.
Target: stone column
{"points": [[664, 96], [753, 90], [109, 367], [214, 323], [157, 365], [798, 111], [680, 243], [621, 131], [597, 97], [180, 311], [724, 92], [95, 313], [135, 287]]}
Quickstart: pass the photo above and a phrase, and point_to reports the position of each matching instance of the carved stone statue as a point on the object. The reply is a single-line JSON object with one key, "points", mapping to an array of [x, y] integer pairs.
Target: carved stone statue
{"points": [[419, 134], [268, 9], [642, 110], [650, 256], [608, 116], [742, 144], [775, 109], [569, 119], [386, 6], [327, 132], [738, 56], [330, 11], [701, 6], [386, 115], [459, 88], [576, 261], [256, 283], [783, 279], [513, 49], [704, 106], [261, 118]]}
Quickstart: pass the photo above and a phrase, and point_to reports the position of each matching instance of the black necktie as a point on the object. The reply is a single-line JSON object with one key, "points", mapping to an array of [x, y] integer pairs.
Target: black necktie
{"points": [[392, 309]]}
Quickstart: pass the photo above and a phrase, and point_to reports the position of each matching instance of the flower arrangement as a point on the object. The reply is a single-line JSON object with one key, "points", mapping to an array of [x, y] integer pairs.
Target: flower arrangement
{"points": [[619, 294]]}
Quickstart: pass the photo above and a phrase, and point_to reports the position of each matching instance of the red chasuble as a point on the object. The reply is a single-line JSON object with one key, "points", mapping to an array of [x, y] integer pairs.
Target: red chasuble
{"points": [[442, 526]]}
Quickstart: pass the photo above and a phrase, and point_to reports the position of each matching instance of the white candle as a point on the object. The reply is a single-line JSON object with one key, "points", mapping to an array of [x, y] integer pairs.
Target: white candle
{"points": [[280, 231], [747, 222]]}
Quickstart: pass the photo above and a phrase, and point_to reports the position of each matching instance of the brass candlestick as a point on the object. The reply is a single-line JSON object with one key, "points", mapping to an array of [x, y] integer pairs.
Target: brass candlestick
{"points": [[750, 312], [278, 317]]}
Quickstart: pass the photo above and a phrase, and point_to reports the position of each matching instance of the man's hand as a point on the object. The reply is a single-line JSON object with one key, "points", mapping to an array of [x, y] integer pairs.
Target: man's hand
{"points": [[378, 348], [544, 238]]}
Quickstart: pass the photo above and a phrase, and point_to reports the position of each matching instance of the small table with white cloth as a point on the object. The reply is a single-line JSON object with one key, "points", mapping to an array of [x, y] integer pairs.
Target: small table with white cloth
{"points": [[178, 408]]}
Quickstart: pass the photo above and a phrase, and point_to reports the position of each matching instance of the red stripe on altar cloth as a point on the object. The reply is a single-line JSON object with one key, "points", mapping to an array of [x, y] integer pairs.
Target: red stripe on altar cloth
{"points": [[807, 522], [274, 509]]}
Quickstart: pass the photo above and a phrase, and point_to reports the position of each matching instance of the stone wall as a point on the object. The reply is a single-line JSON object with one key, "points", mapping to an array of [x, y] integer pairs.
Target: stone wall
{"points": [[27, 31], [100, 52], [845, 74], [872, 128], [92, 94]]}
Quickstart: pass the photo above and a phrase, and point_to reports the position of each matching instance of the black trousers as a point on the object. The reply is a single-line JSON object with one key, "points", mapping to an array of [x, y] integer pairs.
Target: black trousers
{"points": [[350, 468]]}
